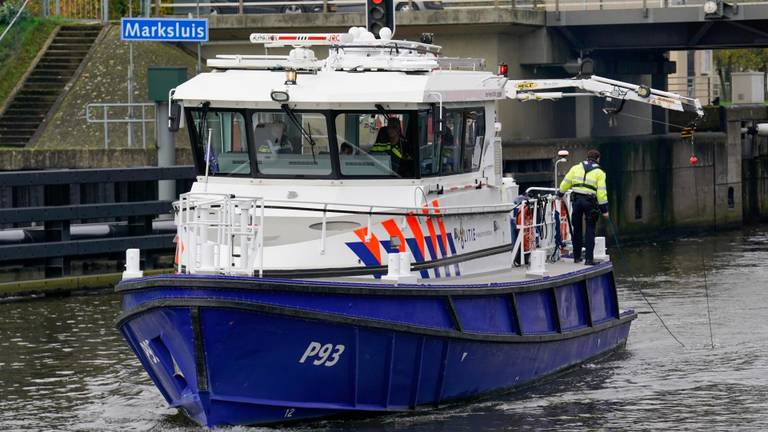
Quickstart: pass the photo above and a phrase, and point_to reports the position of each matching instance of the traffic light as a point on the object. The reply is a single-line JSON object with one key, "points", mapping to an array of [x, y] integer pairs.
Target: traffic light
{"points": [[379, 14]]}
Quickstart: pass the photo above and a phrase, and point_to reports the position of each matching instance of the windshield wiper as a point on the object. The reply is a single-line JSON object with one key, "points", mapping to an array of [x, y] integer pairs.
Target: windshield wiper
{"points": [[383, 111], [292, 115]]}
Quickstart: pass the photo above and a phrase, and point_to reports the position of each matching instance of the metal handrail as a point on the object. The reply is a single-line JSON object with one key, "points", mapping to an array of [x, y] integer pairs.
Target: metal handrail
{"points": [[128, 119], [211, 226]]}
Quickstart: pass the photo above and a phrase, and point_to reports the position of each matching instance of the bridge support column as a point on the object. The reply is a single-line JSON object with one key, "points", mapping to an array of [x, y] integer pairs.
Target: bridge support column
{"points": [[659, 115]]}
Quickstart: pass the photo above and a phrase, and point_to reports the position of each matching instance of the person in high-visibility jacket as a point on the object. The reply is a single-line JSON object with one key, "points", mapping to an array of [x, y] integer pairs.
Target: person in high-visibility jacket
{"points": [[389, 141], [589, 198]]}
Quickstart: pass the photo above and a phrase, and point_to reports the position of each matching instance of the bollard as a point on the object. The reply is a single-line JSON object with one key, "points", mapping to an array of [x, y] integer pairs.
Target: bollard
{"points": [[405, 264], [600, 254], [399, 268], [393, 266], [132, 268], [538, 265]]}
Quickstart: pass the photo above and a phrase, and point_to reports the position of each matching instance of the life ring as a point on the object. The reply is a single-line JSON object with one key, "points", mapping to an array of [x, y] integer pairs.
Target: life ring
{"points": [[563, 221], [525, 216]]}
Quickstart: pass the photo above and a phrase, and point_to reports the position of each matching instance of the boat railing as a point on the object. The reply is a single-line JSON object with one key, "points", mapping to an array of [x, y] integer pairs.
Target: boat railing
{"points": [[224, 234], [541, 224]]}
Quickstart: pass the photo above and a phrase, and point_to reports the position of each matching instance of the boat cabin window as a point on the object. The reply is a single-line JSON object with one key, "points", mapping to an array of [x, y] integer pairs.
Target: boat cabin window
{"points": [[291, 143], [376, 144], [458, 147], [227, 154], [474, 135]]}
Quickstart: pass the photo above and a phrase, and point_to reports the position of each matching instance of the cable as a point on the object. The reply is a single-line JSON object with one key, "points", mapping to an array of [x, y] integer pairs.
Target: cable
{"points": [[703, 266], [709, 316], [651, 120], [637, 284]]}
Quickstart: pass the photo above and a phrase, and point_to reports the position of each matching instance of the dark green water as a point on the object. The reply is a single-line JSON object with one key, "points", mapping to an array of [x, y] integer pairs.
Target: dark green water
{"points": [[63, 367]]}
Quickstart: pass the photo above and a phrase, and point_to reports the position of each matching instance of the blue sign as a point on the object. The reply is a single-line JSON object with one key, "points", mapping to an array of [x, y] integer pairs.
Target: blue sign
{"points": [[164, 29]]}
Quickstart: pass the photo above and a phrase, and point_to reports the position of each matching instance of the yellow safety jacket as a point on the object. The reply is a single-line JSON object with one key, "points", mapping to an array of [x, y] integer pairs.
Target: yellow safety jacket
{"points": [[388, 148], [587, 178]]}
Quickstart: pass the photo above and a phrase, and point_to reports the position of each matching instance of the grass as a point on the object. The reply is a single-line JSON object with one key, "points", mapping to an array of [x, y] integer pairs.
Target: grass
{"points": [[19, 48]]}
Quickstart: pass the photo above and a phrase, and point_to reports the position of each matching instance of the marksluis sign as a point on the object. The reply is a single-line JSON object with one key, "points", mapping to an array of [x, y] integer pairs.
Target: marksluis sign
{"points": [[164, 29]]}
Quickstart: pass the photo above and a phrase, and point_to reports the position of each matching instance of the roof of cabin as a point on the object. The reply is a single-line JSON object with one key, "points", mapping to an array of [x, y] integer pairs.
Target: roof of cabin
{"points": [[252, 88]]}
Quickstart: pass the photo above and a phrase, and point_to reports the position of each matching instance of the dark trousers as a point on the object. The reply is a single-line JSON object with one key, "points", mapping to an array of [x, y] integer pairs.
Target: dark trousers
{"points": [[584, 208]]}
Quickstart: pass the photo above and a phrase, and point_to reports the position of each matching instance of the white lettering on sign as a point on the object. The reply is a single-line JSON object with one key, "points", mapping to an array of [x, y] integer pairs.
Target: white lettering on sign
{"points": [[327, 355], [148, 351]]}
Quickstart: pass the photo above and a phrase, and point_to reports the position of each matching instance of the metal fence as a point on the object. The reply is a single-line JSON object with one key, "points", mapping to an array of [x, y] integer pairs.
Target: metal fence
{"points": [[55, 244], [566, 5]]}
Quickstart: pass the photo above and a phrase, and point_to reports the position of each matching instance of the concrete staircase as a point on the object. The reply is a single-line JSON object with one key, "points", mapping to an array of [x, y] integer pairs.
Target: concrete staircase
{"points": [[30, 105]]}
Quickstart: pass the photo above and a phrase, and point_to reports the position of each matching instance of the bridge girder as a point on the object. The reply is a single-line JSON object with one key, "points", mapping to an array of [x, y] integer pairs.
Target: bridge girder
{"points": [[681, 28]]}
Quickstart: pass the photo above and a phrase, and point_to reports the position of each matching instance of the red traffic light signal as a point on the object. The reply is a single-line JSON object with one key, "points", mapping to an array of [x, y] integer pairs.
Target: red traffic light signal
{"points": [[380, 14]]}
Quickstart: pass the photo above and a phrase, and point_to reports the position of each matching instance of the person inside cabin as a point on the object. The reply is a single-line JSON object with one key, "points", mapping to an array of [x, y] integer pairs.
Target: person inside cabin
{"points": [[346, 149], [448, 151], [268, 137], [589, 200], [391, 142]]}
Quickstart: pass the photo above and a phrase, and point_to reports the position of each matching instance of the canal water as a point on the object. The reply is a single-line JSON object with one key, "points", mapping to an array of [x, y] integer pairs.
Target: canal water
{"points": [[63, 366]]}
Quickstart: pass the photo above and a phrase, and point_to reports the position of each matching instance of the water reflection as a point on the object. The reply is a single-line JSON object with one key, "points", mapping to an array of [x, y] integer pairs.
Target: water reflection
{"points": [[64, 367]]}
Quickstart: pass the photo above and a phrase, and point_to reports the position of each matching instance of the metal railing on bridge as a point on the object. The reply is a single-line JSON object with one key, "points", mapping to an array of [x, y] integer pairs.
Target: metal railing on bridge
{"points": [[102, 9], [576, 5]]}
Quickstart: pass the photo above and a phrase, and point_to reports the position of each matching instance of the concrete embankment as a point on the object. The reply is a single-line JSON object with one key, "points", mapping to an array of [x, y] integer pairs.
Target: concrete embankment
{"points": [[69, 141]]}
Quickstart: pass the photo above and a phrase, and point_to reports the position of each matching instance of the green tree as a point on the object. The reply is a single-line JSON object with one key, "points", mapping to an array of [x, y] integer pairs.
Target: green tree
{"points": [[739, 60]]}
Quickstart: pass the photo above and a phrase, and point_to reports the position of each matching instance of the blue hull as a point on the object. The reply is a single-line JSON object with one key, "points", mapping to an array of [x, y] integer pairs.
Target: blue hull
{"points": [[248, 350]]}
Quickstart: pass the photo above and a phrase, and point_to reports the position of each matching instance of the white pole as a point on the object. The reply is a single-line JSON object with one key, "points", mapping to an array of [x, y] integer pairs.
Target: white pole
{"points": [[208, 158], [21, 9], [130, 83]]}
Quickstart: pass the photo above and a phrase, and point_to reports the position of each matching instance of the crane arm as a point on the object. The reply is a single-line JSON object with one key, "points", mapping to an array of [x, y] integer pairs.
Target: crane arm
{"points": [[611, 90]]}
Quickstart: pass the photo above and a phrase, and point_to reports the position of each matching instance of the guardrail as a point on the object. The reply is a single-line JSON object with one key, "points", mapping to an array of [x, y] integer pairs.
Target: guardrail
{"points": [[278, 6], [287, 6], [129, 118], [56, 245], [224, 234]]}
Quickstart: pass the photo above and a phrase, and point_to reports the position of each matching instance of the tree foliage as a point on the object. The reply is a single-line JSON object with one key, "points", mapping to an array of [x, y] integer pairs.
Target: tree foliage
{"points": [[739, 60]]}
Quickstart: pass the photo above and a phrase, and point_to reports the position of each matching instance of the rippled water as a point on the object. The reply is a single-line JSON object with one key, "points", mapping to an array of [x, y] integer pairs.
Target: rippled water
{"points": [[64, 367]]}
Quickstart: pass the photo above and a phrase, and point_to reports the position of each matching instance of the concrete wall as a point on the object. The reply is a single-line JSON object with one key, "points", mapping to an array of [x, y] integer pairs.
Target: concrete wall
{"points": [[33, 159], [675, 195]]}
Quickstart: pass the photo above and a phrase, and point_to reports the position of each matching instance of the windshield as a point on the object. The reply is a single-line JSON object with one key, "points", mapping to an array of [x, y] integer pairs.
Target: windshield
{"points": [[291, 143], [377, 144], [227, 153], [288, 143]]}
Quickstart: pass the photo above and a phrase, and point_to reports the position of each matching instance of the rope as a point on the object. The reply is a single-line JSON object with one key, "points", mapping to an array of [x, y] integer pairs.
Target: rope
{"points": [[639, 288]]}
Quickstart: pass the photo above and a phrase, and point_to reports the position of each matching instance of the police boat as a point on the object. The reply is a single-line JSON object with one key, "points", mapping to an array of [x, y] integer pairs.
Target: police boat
{"points": [[351, 246]]}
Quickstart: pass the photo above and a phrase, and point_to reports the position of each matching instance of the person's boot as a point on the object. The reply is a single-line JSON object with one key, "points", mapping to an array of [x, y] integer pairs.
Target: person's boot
{"points": [[576, 260], [589, 262]]}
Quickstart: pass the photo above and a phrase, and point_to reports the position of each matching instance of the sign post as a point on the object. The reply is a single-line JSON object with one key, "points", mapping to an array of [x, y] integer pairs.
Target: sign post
{"points": [[162, 79]]}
